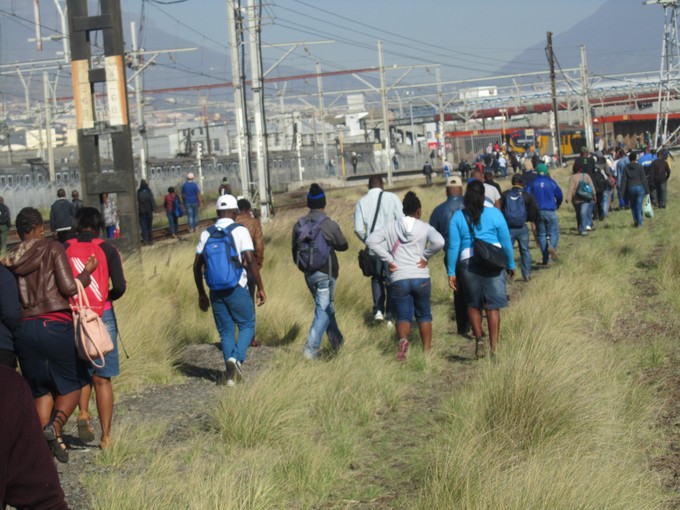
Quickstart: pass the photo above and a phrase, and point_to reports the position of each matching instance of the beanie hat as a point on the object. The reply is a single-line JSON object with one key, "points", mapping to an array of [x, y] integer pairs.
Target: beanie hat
{"points": [[316, 198], [541, 168]]}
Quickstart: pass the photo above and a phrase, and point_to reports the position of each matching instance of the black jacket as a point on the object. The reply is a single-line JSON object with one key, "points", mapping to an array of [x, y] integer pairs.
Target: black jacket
{"points": [[333, 236], [62, 214], [9, 308], [146, 202]]}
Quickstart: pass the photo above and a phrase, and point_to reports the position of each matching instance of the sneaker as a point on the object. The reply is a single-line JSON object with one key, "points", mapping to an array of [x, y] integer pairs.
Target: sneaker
{"points": [[402, 350], [378, 317], [238, 370], [584, 233], [480, 349], [526, 279], [308, 355], [588, 227], [230, 383], [553, 253]]}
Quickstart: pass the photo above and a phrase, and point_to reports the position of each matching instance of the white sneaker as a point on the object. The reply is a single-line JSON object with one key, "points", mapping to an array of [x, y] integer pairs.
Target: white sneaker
{"points": [[588, 227], [378, 316], [230, 383]]}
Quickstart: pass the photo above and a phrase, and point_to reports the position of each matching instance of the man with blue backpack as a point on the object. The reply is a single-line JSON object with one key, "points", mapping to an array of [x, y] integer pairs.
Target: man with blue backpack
{"points": [[518, 207], [316, 238], [225, 256]]}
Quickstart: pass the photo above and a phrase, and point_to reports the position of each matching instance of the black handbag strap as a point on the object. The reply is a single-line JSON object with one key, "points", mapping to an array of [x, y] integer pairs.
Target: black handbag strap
{"points": [[377, 210], [467, 220]]}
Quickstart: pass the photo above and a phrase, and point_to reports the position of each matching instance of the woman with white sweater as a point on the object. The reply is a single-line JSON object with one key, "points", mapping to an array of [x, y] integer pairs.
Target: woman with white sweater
{"points": [[412, 243]]}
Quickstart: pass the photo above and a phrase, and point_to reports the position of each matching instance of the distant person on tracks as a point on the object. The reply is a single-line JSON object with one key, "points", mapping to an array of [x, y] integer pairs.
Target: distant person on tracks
{"points": [[316, 238], [485, 289], [548, 196], [145, 208], [355, 161], [62, 216], [110, 215], [89, 226], [75, 198], [254, 225], [191, 196], [5, 225], [395, 161], [225, 187], [427, 172], [44, 337], [406, 246], [373, 211], [173, 210], [440, 219], [224, 256], [635, 185]]}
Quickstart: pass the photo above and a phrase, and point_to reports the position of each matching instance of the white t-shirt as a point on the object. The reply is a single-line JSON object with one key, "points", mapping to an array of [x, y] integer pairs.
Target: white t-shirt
{"points": [[242, 240], [491, 193]]}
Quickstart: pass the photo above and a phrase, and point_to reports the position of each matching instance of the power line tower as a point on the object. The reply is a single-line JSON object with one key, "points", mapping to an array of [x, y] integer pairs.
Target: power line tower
{"points": [[670, 70]]}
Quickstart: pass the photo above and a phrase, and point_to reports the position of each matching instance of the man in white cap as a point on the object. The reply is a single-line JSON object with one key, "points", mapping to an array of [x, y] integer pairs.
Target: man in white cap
{"points": [[224, 256], [191, 196]]}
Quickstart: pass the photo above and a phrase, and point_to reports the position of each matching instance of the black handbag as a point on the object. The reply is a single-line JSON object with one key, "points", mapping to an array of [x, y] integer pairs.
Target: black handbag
{"points": [[486, 255], [366, 260]]}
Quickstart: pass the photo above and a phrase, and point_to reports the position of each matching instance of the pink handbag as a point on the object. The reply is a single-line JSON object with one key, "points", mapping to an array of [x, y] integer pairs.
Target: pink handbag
{"points": [[92, 338]]}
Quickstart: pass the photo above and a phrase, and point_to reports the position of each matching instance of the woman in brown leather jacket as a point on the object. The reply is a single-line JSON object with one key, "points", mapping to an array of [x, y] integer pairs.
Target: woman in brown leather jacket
{"points": [[44, 340]]}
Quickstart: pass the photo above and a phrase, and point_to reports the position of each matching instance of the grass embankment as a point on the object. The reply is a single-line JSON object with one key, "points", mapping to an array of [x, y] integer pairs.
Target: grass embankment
{"points": [[559, 421]]}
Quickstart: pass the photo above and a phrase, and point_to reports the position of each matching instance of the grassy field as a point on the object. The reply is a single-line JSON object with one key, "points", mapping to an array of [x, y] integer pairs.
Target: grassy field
{"points": [[564, 418]]}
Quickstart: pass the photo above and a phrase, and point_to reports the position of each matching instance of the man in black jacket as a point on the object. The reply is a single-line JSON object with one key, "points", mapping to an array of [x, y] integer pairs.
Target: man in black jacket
{"points": [[62, 216], [146, 206]]}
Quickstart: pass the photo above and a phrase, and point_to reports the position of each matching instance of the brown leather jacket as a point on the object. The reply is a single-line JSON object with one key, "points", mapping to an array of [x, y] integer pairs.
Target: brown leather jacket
{"points": [[44, 276], [254, 227]]}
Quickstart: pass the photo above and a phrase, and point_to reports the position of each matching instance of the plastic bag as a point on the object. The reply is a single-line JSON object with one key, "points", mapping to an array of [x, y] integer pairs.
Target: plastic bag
{"points": [[647, 207]]}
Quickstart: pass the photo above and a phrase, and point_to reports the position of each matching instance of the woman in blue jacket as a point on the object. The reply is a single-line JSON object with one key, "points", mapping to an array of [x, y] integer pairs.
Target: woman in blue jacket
{"points": [[484, 289]]}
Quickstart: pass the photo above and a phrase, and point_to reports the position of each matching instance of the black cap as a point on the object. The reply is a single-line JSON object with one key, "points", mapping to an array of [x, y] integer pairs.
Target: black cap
{"points": [[316, 198], [517, 179]]}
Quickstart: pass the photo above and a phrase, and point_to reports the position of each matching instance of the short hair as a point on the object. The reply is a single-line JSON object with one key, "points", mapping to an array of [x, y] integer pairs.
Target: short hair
{"points": [[171, 189], [27, 219], [89, 218], [632, 156], [75, 192], [375, 181], [411, 203], [61, 192], [244, 205]]}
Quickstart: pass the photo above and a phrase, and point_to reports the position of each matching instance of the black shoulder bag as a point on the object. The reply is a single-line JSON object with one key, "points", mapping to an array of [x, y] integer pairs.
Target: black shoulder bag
{"points": [[486, 255], [366, 260]]}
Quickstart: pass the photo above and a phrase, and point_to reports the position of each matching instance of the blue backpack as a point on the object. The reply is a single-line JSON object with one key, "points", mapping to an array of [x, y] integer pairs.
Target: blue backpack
{"points": [[312, 249], [223, 268], [515, 210]]}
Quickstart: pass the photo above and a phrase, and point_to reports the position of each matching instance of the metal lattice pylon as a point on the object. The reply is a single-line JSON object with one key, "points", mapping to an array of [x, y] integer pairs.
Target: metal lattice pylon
{"points": [[669, 73]]}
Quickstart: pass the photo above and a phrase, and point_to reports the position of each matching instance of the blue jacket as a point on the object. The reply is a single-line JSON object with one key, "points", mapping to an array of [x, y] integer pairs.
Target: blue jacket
{"points": [[492, 228], [442, 214], [547, 193]]}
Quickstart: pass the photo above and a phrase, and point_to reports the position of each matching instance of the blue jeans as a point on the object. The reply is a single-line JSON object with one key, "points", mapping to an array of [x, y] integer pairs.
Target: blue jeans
{"points": [[635, 196], [111, 366], [172, 223], [522, 237], [381, 289], [412, 296], [232, 308], [192, 215], [603, 205], [584, 216], [547, 226], [322, 287]]}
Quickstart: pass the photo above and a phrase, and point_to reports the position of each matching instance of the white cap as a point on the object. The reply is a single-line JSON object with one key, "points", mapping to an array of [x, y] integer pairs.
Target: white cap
{"points": [[226, 202]]}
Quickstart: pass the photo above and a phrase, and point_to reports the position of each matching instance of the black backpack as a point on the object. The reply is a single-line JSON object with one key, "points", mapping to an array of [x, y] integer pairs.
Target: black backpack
{"points": [[600, 180]]}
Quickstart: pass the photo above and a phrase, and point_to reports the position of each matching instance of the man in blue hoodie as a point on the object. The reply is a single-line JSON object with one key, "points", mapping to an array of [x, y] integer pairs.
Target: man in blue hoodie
{"points": [[549, 197]]}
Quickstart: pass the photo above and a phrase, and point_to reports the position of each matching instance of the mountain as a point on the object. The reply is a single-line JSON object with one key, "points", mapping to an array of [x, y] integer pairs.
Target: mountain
{"points": [[623, 36]]}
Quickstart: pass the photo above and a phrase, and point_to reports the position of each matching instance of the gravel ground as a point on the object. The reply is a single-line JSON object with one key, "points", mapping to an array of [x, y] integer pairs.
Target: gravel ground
{"points": [[181, 402]]}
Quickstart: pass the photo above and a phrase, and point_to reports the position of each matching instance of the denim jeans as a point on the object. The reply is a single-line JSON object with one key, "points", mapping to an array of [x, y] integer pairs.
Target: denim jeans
{"points": [[635, 196], [172, 223], [661, 193], [145, 224], [603, 205], [231, 308], [522, 237], [192, 215], [584, 216], [322, 287], [381, 289], [412, 297], [547, 226], [111, 366]]}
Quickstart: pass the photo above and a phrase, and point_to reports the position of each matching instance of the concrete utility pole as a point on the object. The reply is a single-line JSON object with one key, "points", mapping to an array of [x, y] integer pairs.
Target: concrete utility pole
{"points": [[141, 128], [440, 103], [242, 145], [121, 180], [322, 112], [258, 109], [551, 61], [385, 120], [585, 101], [48, 125]]}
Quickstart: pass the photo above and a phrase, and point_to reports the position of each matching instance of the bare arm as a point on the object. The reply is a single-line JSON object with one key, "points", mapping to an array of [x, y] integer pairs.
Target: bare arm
{"points": [[251, 266], [203, 301]]}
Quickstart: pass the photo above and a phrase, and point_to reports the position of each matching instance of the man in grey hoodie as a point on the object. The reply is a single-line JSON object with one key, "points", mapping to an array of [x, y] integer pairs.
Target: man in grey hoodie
{"points": [[407, 257]]}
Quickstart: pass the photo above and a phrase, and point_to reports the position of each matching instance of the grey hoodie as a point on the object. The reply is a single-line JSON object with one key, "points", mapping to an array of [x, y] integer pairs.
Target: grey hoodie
{"points": [[407, 238]]}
